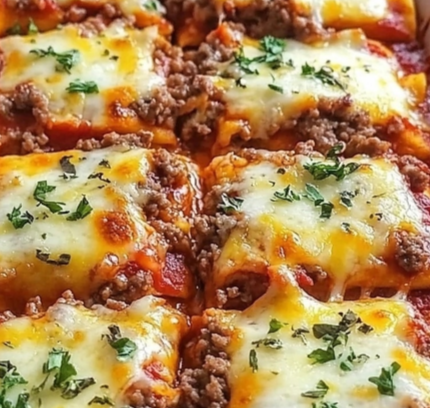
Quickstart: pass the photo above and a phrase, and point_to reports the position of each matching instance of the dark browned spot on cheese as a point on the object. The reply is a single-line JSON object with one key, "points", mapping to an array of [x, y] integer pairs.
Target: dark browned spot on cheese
{"points": [[115, 227]]}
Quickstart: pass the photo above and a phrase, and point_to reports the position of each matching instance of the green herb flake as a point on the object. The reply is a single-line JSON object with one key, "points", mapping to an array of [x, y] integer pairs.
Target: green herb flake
{"points": [[39, 194], [287, 194], [313, 194], [326, 210], [321, 356], [276, 88], [72, 388], [151, 5], [105, 163], [300, 333], [88, 87], [84, 208], [102, 401], [325, 404], [63, 259], [385, 382], [346, 226], [365, 328], [352, 360], [346, 198], [99, 176], [124, 347], [325, 75], [65, 60], [321, 171], [18, 219], [273, 48], [320, 391], [268, 342], [32, 27], [275, 325], [244, 63], [8, 344], [68, 167], [229, 204], [253, 360]]}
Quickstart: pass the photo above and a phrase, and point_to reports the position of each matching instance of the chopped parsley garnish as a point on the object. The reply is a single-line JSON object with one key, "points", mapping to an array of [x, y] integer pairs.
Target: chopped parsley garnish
{"points": [[68, 168], [88, 87], [84, 208], [346, 197], [353, 360], [346, 227], [321, 356], [73, 387], [268, 342], [272, 45], [273, 48], [240, 82], [287, 194], [63, 259], [378, 216], [99, 176], [385, 382], [324, 404], [151, 5], [365, 328], [9, 376], [320, 391], [229, 204], [39, 194], [276, 88], [315, 196], [334, 334], [22, 400], [32, 27], [59, 363], [321, 171], [275, 325], [8, 344], [244, 62], [105, 163], [326, 210], [18, 219], [324, 75], [65, 60], [300, 333], [253, 360], [102, 401], [124, 347]]}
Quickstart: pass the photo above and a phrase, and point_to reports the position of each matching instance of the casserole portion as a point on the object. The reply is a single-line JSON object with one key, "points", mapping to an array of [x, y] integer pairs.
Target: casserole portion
{"points": [[288, 349], [71, 356], [347, 227], [109, 225]]}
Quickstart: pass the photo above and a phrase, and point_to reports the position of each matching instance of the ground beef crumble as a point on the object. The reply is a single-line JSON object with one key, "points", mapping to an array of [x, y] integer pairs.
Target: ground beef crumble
{"points": [[205, 384], [412, 252]]}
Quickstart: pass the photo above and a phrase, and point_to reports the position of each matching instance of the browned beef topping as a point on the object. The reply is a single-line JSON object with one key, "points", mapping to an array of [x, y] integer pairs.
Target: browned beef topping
{"points": [[205, 385], [412, 252]]}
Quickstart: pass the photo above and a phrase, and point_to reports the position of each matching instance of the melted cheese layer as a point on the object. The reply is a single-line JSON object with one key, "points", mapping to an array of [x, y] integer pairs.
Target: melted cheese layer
{"points": [[114, 234], [143, 13], [352, 244], [154, 328], [269, 100], [119, 62], [284, 374]]}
